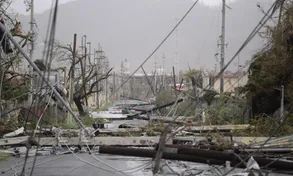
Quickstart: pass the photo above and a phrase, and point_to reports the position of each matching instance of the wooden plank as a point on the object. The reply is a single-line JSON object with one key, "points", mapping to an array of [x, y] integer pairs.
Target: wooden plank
{"points": [[102, 131], [244, 140], [13, 141], [220, 127], [123, 141], [128, 141]]}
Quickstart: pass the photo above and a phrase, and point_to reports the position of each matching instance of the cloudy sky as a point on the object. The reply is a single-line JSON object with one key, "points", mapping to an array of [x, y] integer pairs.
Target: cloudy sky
{"points": [[124, 35], [42, 5]]}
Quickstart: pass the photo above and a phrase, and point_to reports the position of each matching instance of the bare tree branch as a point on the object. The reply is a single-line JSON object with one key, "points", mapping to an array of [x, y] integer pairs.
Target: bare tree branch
{"points": [[105, 76]]}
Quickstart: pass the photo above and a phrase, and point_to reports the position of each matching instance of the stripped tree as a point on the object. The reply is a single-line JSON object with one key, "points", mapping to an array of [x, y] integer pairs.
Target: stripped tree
{"points": [[85, 84], [13, 87]]}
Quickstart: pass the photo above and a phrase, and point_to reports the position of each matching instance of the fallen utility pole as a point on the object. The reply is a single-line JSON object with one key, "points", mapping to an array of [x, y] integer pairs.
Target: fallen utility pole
{"points": [[268, 150], [233, 157], [124, 151], [42, 76], [209, 157]]}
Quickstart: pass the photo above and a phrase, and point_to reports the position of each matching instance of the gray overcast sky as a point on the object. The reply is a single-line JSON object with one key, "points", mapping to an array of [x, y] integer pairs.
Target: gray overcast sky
{"points": [[42, 5], [125, 35]]}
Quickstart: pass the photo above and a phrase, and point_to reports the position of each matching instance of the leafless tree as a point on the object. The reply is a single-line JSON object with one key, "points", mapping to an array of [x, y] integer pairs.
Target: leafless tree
{"points": [[65, 53]]}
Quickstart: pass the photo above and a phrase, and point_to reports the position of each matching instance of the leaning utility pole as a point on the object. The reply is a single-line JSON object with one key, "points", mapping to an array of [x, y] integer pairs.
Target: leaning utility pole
{"points": [[71, 79], [223, 46], [31, 49], [40, 74]]}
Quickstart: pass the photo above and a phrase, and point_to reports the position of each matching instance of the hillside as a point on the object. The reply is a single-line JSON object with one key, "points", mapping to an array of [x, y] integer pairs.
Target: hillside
{"points": [[132, 29]]}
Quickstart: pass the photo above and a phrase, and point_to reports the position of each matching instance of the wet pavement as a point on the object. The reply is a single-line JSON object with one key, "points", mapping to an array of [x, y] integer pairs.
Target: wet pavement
{"points": [[84, 164]]}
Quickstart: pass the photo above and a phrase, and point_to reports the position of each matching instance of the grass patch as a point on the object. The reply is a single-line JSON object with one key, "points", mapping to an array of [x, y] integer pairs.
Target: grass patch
{"points": [[104, 106], [88, 121], [4, 156], [266, 126]]}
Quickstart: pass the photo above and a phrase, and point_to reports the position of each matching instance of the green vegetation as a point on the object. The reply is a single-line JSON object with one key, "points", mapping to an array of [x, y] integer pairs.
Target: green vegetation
{"points": [[87, 121], [153, 128], [271, 68], [225, 110], [104, 106], [3, 156], [267, 126]]}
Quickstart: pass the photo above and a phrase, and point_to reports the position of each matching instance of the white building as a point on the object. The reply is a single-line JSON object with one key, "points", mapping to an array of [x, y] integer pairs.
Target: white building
{"points": [[231, 82]]}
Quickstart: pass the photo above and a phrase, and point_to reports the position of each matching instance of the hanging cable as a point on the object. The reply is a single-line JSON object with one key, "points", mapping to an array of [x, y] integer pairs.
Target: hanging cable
{"points": [[156, 49]]}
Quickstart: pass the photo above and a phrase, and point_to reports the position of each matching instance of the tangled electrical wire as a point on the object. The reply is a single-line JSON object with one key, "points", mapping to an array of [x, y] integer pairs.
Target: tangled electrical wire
{"points": [[48, 61]]}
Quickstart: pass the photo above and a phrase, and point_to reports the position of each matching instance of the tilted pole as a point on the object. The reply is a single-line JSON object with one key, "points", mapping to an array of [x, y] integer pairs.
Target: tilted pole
{"points": [[42, 76], [31, 50]]}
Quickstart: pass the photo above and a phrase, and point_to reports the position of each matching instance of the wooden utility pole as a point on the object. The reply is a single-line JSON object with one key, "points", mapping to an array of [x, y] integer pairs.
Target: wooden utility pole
{"points": [[174, 80], [85, 52], [163, 69], [177, 61], [160, 151], [31, 50], [223, 45], [114, 86], [83, 69], [71, 79], [99, 57]]}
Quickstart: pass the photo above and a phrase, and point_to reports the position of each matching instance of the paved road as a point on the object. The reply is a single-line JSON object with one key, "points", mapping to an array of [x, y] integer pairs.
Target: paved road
{"points": [[70, 165]]}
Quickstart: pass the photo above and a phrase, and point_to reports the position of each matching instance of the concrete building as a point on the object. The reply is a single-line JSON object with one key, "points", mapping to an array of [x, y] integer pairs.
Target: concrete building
{"points": [[232, 81]]}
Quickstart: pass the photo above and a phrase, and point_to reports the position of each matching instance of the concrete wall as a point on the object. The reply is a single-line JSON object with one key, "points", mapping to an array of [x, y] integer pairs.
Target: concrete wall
{"points": [[230, 83]]}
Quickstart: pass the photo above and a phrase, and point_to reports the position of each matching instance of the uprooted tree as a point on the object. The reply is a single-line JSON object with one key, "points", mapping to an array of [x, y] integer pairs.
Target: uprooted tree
{"points": [[86, 83]]}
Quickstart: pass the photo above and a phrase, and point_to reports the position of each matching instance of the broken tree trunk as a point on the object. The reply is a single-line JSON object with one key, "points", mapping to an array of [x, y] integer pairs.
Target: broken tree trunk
{"points": [[79, 106]]}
